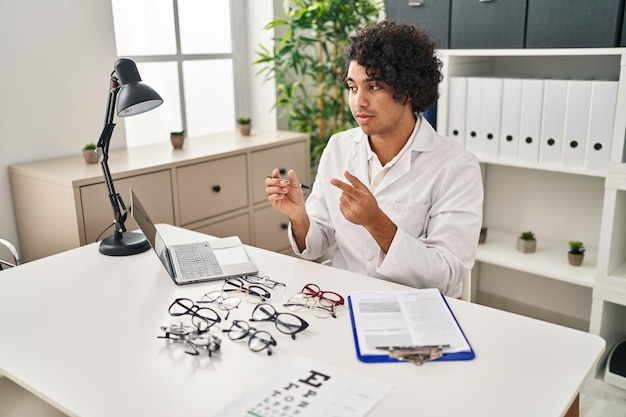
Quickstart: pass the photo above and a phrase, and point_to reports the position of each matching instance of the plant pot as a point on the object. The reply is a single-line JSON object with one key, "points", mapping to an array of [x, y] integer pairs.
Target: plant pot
{"points": [[245, 129], [575, 259], [526, 245], [177, 141], [91, 156]]}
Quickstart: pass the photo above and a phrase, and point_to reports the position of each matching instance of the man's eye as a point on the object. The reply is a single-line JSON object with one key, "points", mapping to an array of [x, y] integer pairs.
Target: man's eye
{"points": [[351, 88], [374, 87]]}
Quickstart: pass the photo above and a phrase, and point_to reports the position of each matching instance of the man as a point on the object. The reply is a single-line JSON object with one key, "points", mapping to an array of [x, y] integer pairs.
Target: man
{"points": [[399, 201]]}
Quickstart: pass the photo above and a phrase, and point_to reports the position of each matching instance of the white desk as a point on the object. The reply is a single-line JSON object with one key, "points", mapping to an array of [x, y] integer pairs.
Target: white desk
{"points": [[80, 329]]}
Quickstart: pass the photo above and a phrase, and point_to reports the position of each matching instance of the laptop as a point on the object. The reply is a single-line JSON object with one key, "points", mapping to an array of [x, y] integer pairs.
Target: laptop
{"points": [[209, 260]]}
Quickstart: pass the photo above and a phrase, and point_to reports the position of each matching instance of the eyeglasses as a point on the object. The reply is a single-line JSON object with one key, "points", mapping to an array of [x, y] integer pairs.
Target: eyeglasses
{"points": [[254, 293], [312, 290], [262, 280], [259, 339], [201, 317], [285, 322], [321, 308], [192, 339], [225, 303]]}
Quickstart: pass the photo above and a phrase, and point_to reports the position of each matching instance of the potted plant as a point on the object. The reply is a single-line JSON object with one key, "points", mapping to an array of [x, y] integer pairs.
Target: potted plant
{"points": [[576, 252], [526, 242], [177, 138], [306, 61], [90, 154], [245, 125]]}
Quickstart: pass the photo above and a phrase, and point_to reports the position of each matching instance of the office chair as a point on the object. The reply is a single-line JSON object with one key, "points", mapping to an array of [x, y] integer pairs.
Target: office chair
{"points": [[10, 253]]}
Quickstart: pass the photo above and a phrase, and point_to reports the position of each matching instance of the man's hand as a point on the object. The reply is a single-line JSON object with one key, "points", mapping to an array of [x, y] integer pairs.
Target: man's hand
{"points": [[287, 197], [359, 206]]}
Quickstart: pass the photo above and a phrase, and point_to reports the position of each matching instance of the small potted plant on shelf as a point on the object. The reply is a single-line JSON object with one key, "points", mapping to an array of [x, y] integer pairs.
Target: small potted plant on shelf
{"points": [[576, 252], [526, 242], [245, 125], [177, 138], [90, 154]]}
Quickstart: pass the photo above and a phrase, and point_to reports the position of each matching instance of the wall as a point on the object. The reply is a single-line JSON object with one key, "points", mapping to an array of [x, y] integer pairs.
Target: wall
{"points": [[54, 75]]}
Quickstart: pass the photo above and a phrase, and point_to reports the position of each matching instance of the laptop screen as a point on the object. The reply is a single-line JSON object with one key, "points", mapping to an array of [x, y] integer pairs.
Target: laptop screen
{"points": [[145, 223]]}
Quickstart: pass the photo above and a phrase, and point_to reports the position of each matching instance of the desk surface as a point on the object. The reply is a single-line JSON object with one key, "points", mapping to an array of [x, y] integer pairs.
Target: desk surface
{"points": [[80, 329]]}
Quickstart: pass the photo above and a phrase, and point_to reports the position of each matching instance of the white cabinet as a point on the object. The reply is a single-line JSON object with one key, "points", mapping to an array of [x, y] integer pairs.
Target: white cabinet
{"points": [[215, 184], [559, 202]]}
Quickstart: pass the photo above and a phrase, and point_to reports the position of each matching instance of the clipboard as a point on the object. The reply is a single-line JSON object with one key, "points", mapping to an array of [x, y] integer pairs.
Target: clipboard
{"points": [[453, 356]]}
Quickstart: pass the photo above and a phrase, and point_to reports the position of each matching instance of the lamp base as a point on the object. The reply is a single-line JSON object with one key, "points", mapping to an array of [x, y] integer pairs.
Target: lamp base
{"points": [[127, 244]]}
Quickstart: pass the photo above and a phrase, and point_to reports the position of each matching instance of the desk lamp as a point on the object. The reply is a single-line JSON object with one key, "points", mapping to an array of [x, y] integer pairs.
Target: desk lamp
{"points": [[134, 98]]}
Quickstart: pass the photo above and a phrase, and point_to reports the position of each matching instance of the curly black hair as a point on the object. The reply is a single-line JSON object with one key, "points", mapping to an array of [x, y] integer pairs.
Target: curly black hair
{"points": [[403, 56]]}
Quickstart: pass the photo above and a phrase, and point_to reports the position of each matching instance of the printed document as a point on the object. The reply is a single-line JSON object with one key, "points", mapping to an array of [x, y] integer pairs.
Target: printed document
{"points": [[405, 318]]}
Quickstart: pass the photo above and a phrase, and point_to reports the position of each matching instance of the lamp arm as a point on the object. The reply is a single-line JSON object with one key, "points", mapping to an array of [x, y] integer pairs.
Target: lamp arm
{"points": [[103, 150]]}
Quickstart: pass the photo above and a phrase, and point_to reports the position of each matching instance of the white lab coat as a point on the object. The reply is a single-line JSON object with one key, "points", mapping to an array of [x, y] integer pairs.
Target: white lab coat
{"points": [[433, 194]]}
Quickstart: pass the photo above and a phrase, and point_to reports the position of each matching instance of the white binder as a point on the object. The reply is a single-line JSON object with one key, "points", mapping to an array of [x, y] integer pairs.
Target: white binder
{"points": [[457, 96], [491, 117], [530, 120], [576, 123], [511, 109], [473, 115], [601, 119], [552, 120]]}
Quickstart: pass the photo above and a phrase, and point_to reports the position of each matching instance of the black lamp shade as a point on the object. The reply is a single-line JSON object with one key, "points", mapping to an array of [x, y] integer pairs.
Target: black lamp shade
{"points": [[134, 96]]}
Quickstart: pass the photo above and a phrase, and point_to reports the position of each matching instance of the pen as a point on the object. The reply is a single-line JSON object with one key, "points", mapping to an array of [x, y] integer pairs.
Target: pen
{"points": [[287, 181]]}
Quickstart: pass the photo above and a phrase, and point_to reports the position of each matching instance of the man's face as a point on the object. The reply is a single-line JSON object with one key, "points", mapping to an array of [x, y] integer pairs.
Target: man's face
{"points": [[372, 104]]}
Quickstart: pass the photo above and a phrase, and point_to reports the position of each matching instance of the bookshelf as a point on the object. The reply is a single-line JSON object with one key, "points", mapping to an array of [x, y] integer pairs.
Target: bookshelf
{"points": [[558, 203]]}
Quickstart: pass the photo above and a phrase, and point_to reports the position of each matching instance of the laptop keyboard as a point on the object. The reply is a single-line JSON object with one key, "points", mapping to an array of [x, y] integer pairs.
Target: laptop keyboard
{"points": [[197, 261]]}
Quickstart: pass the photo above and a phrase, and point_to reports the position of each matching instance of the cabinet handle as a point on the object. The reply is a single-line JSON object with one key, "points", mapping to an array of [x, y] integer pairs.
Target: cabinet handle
{"points": [[416, 3], [284, 226], [217, 188]]}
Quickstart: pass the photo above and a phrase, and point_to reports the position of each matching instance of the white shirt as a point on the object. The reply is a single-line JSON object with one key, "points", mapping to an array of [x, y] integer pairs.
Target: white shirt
{"points": [[434, 195], [376, 171]]}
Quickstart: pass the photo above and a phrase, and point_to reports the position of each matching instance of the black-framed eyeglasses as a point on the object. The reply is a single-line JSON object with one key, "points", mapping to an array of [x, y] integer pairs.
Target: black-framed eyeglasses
{"points": [[321, 308], [313, 290], [262, 280], [192, 339], [201, 317], [287, 323], [254, 293], [223, 301], [259, 339]]}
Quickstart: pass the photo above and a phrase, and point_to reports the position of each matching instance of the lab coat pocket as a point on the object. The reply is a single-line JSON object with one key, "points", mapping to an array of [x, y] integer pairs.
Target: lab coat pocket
{"points": [[412, 218]]}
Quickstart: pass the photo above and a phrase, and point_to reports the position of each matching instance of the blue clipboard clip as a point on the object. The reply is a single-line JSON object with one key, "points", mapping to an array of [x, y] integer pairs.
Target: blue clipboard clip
{"points": [[415, 354]]}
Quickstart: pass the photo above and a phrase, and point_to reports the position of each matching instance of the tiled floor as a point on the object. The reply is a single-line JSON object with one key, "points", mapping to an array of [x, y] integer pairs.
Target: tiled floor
{"points": [[597, 403], [16, 402]]}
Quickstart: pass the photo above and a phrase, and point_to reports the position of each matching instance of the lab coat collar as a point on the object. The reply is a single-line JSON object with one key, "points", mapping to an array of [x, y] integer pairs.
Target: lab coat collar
{"points": [[423, 141]]}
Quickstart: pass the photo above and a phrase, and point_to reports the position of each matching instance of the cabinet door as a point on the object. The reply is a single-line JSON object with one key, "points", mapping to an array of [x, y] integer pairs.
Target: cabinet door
{"points": [[284, 158], [154, 189], [270, 230], [237, 226], [434, 16], [211, 188]]}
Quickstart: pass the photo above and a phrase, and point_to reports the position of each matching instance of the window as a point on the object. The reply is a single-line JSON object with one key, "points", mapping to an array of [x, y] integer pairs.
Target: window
{"points": [[185, 50]]}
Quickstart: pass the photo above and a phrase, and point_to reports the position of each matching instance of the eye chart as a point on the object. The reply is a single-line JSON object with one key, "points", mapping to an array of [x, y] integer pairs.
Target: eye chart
{"points": [[308, 388]]}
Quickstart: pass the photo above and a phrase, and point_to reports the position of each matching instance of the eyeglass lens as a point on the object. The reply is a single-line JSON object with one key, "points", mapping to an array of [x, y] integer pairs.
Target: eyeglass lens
{"points": [[254, 293], [201, 317], [321, 308], [285, 322], [262, 280], [312, 290], [259, 339]]}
